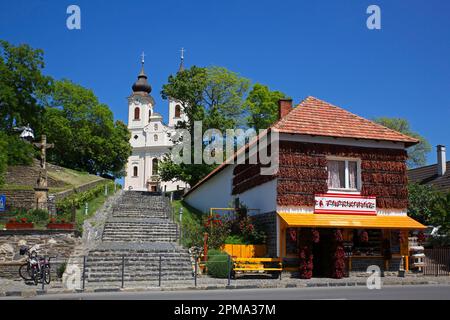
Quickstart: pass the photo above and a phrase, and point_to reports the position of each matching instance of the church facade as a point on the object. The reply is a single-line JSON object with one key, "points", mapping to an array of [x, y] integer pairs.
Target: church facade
{"points": [[150, 138]]}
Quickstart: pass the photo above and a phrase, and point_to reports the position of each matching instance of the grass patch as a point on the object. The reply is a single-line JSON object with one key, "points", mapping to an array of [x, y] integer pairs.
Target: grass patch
{"points": [[72, 177], [192, 229], [13, 187], [93, 205]]}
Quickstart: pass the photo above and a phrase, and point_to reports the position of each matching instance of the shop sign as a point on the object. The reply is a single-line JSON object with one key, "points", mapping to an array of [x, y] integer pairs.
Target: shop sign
{"points": [[345, 204]]}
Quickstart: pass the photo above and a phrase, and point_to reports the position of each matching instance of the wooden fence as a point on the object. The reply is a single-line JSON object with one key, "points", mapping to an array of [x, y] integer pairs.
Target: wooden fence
{"points": [[246, 251], [437, 262]]}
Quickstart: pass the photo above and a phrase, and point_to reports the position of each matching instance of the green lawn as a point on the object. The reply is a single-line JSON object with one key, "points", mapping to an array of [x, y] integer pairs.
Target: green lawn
{"points": [[93, 206], [192, 233], [72, 177]]}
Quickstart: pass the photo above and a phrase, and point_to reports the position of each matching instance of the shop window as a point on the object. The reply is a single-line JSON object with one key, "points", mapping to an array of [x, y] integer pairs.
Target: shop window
{"points": [[291, 241], [135, 171], [177, 111], [343, 174], [137, 113], [155, 166]]}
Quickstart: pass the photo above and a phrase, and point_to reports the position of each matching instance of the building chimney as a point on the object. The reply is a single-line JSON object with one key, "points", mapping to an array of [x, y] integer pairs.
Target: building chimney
{"points": [[284, 107], [442, 163]]}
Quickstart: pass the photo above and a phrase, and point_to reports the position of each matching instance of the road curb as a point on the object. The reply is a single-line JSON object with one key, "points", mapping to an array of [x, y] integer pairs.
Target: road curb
{"points": [[28, 293]]}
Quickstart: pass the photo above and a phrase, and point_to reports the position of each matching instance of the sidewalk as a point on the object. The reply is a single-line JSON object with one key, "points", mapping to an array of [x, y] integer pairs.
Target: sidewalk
{"points": [[20, 289]]}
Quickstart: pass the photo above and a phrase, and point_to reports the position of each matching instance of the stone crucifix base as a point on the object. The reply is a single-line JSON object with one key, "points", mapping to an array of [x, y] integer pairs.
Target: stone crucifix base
{"points": [[41, 198]]}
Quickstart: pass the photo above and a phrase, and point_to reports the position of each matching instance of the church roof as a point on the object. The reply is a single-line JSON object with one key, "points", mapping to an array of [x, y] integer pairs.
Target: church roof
{"points": [[142, 85]]}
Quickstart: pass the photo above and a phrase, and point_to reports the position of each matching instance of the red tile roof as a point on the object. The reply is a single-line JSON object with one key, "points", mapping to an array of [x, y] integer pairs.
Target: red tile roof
{"points": [[319, 118]]}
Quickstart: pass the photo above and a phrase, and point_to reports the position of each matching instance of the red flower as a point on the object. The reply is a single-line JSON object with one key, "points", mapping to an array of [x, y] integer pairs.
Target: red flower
{"points": [[52, 220], [23, 220], [63, 220]]}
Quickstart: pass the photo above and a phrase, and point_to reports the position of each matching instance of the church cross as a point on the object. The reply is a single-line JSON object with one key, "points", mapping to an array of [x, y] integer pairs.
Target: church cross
{"points": [[182, 53], [143, 57]]}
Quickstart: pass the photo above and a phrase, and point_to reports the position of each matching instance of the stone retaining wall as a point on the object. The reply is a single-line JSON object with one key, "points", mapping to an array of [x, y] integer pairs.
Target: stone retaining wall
{"points": [[268, 223], [53, 243], [23, 199]]}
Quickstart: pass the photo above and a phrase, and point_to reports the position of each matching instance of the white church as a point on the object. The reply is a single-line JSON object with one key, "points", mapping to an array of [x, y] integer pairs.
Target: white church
{"points": [[150, 137]]}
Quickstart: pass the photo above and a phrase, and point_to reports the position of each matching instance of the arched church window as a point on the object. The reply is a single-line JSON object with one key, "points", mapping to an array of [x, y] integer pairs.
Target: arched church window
{"points": [[177, 111], [154, 166], [156, 127], [135, 171], [149, 114], [137, 113], [155, 137]]}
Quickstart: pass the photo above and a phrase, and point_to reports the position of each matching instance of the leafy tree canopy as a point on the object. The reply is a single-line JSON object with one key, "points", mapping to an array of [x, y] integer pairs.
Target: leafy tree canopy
{"points": [[20, 79], [417, 154], [84, 132], [262, 106], [213, 95]]}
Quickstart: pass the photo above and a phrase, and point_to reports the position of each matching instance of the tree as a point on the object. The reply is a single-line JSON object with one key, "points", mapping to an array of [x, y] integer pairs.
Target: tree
{"points": [[262, 105], [441, 214], [84, 132], [3, 157], [20, 79], [417, 154], [421, 200], [212, 95]]}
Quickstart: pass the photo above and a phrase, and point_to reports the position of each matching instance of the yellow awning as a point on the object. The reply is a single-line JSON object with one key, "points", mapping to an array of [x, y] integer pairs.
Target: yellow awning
{"points": [[349, 221]]}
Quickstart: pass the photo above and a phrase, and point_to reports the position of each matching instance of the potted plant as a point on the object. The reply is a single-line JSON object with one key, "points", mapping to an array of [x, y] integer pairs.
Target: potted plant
{"points": [[60, 225], [13, 224]]}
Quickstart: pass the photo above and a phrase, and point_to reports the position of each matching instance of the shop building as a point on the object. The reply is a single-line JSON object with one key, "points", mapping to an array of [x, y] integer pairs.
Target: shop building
{"points": [[341, 187]]}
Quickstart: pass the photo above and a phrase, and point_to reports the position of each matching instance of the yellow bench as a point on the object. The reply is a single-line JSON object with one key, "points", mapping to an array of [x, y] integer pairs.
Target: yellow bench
{"points": [[258, 264]]}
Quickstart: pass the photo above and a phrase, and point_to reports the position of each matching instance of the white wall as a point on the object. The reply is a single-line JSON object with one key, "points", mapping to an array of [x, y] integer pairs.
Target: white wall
{"points": [[262, 197], [216, 193]]}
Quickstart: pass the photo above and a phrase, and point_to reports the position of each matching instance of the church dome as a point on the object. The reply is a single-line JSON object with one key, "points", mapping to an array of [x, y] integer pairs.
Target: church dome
{"points": [[142, 85]]}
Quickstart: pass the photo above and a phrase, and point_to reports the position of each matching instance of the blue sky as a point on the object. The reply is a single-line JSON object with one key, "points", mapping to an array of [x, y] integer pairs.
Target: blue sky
{"points": [[320, 48]]}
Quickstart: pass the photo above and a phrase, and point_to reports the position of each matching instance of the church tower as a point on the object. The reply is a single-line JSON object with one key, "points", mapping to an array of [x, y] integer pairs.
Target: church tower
{"points": [[176, 112], [150, 139]]}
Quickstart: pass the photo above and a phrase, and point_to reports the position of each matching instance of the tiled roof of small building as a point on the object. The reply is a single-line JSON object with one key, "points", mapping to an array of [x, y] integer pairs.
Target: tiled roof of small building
{"points": [[429, 175], [319, 118]]}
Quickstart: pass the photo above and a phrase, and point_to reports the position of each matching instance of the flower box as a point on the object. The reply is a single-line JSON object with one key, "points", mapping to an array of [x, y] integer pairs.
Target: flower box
{"points": [[19, 225], [61, 226]]}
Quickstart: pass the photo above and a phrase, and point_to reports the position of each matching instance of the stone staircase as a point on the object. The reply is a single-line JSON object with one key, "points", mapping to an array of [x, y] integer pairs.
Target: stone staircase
{"points": [[139, 237]]}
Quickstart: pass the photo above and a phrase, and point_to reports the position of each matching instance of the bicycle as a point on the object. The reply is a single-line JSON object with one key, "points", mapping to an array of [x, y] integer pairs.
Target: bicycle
{"points": [[36, 269]]}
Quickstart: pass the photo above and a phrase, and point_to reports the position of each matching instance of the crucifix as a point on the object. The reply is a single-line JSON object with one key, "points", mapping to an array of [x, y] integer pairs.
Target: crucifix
{"points": [[43, 146]]}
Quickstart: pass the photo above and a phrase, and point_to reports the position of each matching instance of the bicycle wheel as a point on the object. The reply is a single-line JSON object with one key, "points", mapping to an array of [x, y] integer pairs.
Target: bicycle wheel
{"points": [[35, 275], [47, 277], [24, 272]]}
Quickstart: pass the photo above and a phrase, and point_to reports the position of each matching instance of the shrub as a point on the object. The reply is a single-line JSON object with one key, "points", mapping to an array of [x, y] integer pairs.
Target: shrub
{"points": [[36, 215], [218, 229], [218, 264]]}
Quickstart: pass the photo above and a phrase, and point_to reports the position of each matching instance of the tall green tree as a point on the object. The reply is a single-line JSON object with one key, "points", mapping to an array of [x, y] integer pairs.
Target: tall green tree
{"points": [[84, 132], [262, 106], [421, 201], [20, 79], [213, 95], [417, 154], [3, 157]]}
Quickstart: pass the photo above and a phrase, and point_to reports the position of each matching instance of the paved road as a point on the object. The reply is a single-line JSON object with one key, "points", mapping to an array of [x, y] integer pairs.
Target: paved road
{"points": [[422, 292]]}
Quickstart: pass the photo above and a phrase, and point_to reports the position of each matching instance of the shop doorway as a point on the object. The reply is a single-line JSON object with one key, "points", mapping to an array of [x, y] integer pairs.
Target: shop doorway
{"points": [[323, 254]]}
